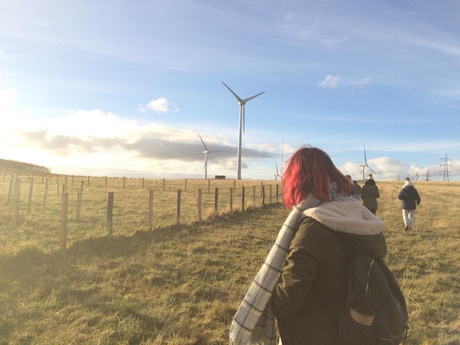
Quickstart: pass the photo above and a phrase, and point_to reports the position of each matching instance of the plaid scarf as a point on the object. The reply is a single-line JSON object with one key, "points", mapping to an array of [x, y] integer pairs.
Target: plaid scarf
{"points": [[254, 322]]}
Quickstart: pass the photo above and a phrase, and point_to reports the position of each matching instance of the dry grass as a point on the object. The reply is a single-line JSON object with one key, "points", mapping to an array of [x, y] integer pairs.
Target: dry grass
{"points": [[181, 284], [426, 261]]}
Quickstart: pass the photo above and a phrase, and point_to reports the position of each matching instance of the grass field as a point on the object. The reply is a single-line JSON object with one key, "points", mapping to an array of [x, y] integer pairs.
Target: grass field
{"points": [[181, 284]]}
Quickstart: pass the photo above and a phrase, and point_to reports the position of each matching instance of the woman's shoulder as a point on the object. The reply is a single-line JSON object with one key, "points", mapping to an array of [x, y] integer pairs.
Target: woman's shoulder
{"points": [[310, 227]]}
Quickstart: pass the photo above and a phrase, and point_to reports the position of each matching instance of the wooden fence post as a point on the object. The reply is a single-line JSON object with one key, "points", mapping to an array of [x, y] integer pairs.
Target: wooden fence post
{"points": [[45, 193], [17, 199], [143, 183], [277, 192], [263, 195], [11, 189], [105, 181], [110, 213], [29, 198], [164, 184], [270, 193], [88, 181], [199, 204], [242, 197], [231, 199], [185, 185], [79, 199], [178, 206], [124, 182], [216, 198], [64, 213], [254, 195], [150, 209], [209, 186]]}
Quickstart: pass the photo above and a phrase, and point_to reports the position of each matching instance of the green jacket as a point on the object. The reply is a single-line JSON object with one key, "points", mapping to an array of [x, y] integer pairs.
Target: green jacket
{"points": [[312, 288], [370, 193]]}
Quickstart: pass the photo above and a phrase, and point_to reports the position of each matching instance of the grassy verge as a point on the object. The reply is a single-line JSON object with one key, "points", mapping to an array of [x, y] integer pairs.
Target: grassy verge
{"points": [[181, 284]]}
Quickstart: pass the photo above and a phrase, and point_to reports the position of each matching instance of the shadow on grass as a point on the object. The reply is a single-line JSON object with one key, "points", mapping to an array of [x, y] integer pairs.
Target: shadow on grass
{"points": [[27, 259]]}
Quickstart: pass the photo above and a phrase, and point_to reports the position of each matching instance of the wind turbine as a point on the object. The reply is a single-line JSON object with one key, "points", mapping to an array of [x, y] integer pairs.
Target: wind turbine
{"points": [[282, 161], [206, 153], [365, 164], [242, 103], [277, 173]]}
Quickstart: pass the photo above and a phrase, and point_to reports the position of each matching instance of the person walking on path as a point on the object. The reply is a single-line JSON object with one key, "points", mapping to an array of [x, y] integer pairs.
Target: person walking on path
{"points": [[356, 190], [370, 193], [409, 200], [303, 281]]}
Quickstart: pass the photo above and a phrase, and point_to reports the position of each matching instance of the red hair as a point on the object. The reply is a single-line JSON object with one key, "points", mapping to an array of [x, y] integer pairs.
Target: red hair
{"points": [[310, 170]]}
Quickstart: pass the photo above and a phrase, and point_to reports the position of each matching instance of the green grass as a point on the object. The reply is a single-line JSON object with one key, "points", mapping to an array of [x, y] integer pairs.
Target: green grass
{"points": [[181, 284]]}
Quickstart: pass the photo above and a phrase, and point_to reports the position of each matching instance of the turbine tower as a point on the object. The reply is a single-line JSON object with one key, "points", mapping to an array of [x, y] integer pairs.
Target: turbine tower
{"points": [[365, 164], [242, 103]]}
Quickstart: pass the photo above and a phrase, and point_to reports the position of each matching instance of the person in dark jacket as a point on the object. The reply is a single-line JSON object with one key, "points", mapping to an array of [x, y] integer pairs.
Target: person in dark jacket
{"points": [[370, 193], [409, 200], [356, 190], [311, 291]]}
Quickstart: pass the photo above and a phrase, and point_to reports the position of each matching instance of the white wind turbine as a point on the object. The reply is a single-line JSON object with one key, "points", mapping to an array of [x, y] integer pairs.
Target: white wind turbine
{"points": [[206, 154], [363, 166], [242, 103], [277, 173]]}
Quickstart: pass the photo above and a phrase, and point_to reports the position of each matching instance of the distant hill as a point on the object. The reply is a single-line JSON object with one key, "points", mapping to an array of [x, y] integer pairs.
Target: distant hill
{"points": [[15, 167]]}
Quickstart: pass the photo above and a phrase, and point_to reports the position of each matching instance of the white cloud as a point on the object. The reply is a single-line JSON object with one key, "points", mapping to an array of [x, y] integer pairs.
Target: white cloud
{"points": [[95, 123], [361, 82], [384, 169], [334, 81], [7, 98], [160, 106], [330, 82], [94, 141]]}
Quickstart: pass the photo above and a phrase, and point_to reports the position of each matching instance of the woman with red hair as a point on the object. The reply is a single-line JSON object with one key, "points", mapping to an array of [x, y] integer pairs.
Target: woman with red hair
{"points": [[311, 290], [310, 170]]}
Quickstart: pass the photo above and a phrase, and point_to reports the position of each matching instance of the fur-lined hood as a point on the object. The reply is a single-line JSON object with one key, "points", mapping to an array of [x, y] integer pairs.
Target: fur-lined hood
{"points": [[348, 216], [359, 227]]}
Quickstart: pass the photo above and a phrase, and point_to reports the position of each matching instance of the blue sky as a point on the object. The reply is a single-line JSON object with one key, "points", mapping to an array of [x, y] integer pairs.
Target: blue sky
{"points": [[123, 88]]}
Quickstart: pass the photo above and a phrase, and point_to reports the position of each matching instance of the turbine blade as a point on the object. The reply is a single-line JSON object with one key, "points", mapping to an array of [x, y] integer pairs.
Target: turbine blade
{"points": [[205, 162], [203, 142], [370, 169], [234, 94], [248, 99], [365, 159]]}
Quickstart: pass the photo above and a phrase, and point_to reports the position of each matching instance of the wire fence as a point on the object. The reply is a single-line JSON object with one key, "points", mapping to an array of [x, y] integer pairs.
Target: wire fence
{"points": [[61, 209]]}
